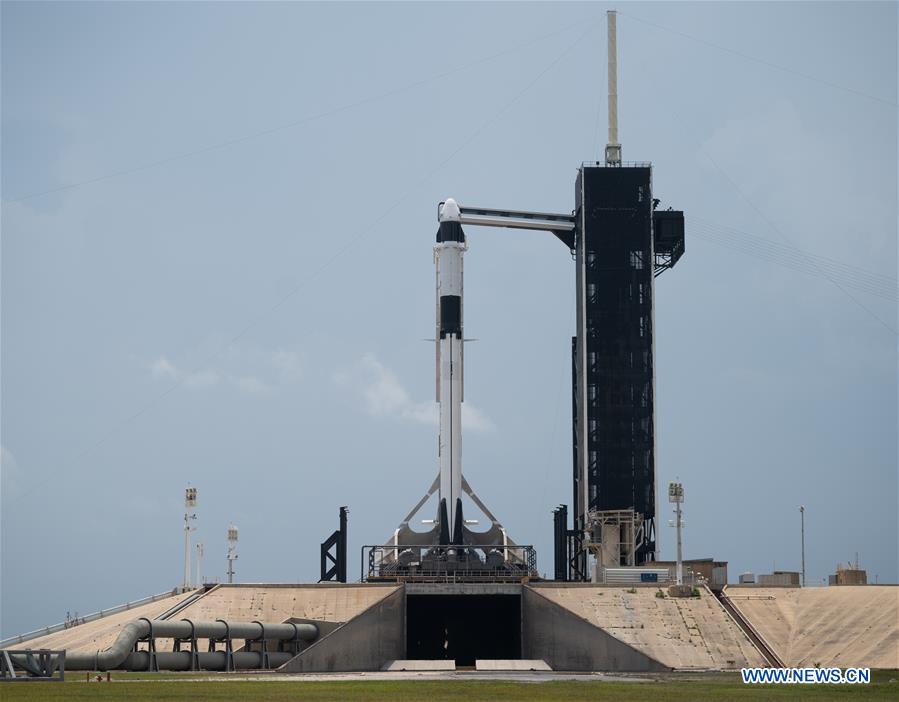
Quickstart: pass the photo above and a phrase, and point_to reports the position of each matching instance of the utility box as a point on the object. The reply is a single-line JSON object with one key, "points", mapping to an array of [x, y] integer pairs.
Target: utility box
{"points": [[780, 578], [680, 591]]}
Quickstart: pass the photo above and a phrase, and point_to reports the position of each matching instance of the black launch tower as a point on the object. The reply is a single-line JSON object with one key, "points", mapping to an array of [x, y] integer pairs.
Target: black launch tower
{"points": [[622, 243]]}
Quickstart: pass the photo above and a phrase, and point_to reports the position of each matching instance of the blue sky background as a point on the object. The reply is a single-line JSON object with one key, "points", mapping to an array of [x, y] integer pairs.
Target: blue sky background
{"points": [[236, 289]]}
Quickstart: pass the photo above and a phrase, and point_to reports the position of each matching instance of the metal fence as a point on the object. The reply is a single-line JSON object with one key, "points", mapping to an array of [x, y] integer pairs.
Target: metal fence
{"points": [[75, 621]]}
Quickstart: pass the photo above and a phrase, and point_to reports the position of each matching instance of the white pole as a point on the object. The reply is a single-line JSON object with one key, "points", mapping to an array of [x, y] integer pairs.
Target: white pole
{"points": [[199, 564], [232, 547], [613, 148], [676, 495], [802, 519], [186, 584], [190, 500], [680, 556]]}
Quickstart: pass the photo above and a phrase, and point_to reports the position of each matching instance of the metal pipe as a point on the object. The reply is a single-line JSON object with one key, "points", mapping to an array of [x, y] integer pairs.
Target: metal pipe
{"points": [[121, 654], [213, 660]]}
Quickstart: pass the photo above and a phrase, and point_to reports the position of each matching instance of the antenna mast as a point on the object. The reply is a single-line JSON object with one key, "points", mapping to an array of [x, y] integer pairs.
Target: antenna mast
{"points": [[613, 148]]}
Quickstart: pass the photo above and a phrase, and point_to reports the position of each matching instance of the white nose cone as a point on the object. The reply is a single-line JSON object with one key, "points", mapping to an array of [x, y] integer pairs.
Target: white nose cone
{"points": [[450, 211]]}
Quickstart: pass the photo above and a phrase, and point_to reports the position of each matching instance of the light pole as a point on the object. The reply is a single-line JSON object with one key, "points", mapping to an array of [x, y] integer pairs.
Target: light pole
{"points": [[802, 521], [232, 548], [190, 501], [676, 495]]}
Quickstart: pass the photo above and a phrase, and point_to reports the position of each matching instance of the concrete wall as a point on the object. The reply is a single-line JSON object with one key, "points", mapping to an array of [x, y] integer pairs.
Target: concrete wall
{"points": [[567, 642], [366, 642]]}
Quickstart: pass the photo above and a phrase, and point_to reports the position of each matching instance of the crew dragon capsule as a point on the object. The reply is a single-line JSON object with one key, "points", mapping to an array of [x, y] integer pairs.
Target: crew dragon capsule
{"points": [[448, 252]]}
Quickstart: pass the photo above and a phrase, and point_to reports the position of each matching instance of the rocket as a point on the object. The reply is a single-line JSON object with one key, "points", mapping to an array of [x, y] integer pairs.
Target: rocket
{"points": [[448, 251]]}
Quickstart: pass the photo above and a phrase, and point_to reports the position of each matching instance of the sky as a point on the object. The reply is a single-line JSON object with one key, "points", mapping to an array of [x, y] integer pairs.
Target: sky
{"points": [[217, 232]]}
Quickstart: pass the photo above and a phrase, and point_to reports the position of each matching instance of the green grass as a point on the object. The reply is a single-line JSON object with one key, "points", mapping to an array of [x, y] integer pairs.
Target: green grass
{"points": [[674, 688]]}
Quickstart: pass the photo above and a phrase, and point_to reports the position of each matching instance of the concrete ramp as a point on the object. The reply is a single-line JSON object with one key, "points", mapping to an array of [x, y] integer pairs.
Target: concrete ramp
{"points": [[319, 602], [277, 603], [98, 635], [245, 603], [846, 625], [680, 633]]}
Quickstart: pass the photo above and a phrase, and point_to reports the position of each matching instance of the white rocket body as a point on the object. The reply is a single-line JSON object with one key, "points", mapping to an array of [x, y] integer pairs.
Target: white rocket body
{"points": [[448, 254]]}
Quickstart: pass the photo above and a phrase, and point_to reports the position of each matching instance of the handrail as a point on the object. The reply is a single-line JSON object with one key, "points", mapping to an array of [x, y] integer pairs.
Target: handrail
{"points": [[62, 626]]}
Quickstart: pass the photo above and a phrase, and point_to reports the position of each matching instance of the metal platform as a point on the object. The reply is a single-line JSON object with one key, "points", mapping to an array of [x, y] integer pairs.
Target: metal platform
{"points": [[449, 563]]}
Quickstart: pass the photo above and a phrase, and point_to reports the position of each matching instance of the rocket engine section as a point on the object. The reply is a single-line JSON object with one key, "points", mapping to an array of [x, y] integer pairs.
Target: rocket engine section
{"points": [[448, 252]]}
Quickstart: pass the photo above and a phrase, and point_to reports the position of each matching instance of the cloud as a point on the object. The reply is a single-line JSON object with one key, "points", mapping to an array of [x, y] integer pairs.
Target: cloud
{"points": [[288, 364], [383, 395], [11, 478], [163, 368], [474, 419], [202, 379], [250, 384]]}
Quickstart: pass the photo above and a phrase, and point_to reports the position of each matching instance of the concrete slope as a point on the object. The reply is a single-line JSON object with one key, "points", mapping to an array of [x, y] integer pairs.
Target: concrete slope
{"points": [[849, 625], [99, 634], [567, 641], [277, 603], [681, 633], [366, 642]]}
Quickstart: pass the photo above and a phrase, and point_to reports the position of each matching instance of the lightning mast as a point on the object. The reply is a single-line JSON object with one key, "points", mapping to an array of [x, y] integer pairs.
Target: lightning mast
{"points": [[613, 148]]}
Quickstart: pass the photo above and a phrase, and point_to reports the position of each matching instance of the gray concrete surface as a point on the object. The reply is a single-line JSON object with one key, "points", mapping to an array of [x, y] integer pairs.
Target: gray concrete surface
{"points": [[365, 643], [844, 625], [689, 633], [566, 641]]}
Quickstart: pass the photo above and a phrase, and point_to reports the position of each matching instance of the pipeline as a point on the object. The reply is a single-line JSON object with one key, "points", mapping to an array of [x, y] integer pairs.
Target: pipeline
{"points": [[123, 656]]}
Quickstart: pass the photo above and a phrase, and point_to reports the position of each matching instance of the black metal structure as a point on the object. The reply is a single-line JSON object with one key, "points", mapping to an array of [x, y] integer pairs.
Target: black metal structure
{"points": [[622, 243], [560, 543], [333, 553]]}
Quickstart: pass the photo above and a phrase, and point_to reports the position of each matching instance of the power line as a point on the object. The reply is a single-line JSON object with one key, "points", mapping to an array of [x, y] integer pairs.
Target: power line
{"points": [[774, 227], [349, 246], [763, 62], [298, 122], [791, 257], [783, 236]]}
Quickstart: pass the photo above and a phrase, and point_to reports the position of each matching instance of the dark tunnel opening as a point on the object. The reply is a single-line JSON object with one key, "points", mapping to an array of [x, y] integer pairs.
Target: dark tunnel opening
{"points": [[463, 628]]}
